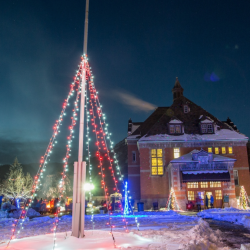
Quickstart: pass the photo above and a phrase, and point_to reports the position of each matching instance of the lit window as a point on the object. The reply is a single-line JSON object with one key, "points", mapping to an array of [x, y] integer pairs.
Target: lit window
{"points": [[191, 195], [210, 150], [192, 184], [216, 150], [223, 150], [230, 150], [176, 153], [215, 184], [175, 129], [134, 156], [204, 184], [186, 109], [156, 162], [236, 178], [218, 195]]}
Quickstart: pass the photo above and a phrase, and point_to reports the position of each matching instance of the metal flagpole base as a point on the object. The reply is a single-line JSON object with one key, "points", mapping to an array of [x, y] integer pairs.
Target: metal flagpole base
{"points": [[78, 208]]}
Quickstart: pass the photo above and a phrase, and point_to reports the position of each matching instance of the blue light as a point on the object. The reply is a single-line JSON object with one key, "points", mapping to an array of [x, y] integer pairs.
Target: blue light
{"points": [[126, 206]]}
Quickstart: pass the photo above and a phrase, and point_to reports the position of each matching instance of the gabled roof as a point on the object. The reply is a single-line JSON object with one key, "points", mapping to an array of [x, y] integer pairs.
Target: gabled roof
{"points": [[155, 127], [150, 121]]}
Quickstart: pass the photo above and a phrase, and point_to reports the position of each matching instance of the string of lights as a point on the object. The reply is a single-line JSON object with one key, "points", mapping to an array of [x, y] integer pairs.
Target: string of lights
{"points": [[44, 160], [102, 136], [104, 124], [65, 162], [98, 154], [172, 200], [88, 158]]}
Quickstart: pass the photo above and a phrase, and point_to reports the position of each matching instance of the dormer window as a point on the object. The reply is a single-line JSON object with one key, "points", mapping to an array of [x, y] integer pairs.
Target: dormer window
{"points": [[185, 109], [175, 127], [207, 126]]}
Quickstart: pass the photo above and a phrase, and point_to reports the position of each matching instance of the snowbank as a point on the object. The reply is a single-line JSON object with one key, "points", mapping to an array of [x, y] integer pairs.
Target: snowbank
{"points": [[199, 236], [233, 215], [16, 213]]}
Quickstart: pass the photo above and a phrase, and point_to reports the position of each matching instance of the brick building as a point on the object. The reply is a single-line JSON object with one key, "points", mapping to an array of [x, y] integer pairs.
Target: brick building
{"points": [[185, 147]]}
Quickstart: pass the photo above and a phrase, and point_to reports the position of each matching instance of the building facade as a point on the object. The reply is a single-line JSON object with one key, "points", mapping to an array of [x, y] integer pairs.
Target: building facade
{"points": [[158, 146]]}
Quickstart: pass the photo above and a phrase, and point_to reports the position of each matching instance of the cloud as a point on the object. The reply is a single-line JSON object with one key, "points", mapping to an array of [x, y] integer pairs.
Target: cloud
{"points": [[133, 101]]}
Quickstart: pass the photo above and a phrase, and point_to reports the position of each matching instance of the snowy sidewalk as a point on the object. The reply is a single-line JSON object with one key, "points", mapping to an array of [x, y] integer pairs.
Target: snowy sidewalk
{"points": [[233, 215]]}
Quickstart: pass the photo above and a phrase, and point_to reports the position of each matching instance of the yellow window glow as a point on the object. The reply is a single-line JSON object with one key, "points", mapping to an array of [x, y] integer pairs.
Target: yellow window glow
{"points": [[159, 152], [176, 153], [230, 150], [216, 150], [223, 150], [153, 152], [160, 162], [154, 162], [204, 184], [191, 195], [160, 170], [210, 150], [154, 170], [218, 195]]}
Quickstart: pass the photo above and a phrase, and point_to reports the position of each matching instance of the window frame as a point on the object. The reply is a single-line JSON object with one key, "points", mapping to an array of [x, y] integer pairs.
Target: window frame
{"points": [[186, 109], [211, 150], [191, 185], [157, 166], [173, 127], [206, 129], [231, 150], [215, 184], [204, 184], [218, 194], [215, 150], [223, 151], [179, 152], [190, 194]]}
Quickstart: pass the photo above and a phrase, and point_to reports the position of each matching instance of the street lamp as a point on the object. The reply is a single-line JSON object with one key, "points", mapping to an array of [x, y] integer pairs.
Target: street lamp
{"points": [[88, 186]]}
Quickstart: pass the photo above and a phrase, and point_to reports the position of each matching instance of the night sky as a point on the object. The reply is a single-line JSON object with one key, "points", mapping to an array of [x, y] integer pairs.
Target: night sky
{"points": [[136, 49]]}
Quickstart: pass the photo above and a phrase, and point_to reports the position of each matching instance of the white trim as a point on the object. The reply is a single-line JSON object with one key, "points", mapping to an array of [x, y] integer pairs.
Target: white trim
{"points": [[148, 171], [133, 175], [244, 168]]}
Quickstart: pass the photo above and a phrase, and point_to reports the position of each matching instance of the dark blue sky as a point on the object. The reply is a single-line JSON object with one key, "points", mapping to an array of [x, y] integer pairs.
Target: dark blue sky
{"points": [[135, 47]]}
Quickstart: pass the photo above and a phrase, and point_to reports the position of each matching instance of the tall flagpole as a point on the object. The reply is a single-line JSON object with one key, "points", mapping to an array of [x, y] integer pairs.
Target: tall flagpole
{"points": [[78, 209]]}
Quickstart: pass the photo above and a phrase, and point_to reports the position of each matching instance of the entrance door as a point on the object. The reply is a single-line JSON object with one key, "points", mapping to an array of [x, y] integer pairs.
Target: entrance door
{"points": [[208, 194], [201, 195]]}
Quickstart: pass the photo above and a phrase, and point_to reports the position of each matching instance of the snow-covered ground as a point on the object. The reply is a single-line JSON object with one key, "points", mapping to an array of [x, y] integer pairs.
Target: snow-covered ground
{"points": [[158, 230], [233, 215]]}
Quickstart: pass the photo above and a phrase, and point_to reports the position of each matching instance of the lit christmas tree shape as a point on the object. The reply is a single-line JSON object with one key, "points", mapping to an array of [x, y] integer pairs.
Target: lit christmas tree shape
{"points": [[172, 201]]}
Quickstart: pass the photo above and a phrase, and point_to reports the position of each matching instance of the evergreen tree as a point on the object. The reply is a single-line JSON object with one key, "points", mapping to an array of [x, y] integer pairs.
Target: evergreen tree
{"points": [[243, 198]]}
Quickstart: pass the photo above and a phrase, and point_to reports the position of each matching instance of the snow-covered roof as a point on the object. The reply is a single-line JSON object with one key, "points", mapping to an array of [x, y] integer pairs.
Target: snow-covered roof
{"points": [[219, 135], [175, 121], [206, 121], [189, 157]]}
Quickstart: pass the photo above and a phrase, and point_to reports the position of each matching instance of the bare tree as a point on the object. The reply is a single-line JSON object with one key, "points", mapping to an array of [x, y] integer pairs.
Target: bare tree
{"points": [[51, 187], [17, 184]]}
